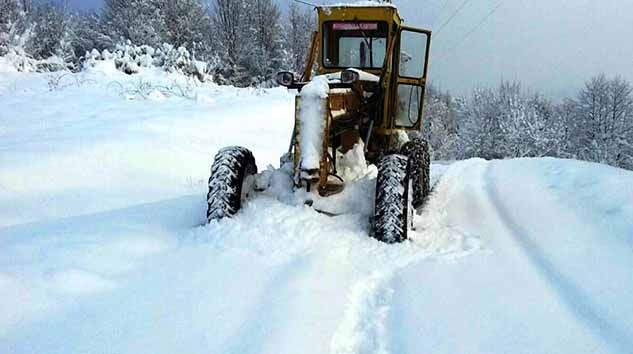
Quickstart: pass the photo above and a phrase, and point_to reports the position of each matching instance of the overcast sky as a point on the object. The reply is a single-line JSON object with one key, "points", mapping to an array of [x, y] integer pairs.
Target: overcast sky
{"points": [[550, 45]]}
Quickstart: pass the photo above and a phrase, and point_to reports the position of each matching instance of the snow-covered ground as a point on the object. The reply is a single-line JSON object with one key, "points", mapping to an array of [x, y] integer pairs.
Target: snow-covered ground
{"points": [[102, 197]]}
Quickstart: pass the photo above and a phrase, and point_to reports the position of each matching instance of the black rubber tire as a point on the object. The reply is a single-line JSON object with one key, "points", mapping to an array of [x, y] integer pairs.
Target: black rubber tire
{"points": [[420, 169], [230, 169], [392, 199]]}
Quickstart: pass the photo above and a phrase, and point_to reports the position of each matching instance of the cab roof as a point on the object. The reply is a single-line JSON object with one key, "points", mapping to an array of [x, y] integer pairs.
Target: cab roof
{"points": [[363, 11], [362, 4]]}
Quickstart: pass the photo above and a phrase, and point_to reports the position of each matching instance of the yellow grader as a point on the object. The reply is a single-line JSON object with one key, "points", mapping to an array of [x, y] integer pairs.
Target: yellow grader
{"points": [[364, 83]]}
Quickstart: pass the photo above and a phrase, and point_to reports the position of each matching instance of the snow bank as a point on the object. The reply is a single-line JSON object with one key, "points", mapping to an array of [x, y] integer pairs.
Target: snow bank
{"points": [[6, 66], [152, 144], [312, 120]]}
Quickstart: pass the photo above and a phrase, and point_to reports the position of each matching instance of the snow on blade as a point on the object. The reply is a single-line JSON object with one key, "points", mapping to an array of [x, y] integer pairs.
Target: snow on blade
{"points": [[312, 121], [365, 76], [362, 76]]}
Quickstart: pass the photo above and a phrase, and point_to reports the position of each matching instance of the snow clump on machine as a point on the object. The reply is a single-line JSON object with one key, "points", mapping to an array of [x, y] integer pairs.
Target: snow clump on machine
{"points": [[311, 118]]}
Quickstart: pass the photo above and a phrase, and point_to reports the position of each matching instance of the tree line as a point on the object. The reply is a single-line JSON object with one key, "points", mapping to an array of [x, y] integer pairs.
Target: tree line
{"points": [[508, 121], [247, 40]]}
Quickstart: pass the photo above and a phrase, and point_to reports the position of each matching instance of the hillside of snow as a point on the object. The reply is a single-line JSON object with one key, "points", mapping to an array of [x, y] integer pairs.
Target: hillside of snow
{"points": [[103, 247]]}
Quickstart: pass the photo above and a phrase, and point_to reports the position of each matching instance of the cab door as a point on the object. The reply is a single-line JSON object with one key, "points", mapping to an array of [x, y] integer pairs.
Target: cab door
{"points": [[412, 58]]}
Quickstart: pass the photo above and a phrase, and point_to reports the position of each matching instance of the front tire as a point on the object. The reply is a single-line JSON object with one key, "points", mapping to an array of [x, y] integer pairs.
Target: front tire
{"points": [[392, 199], [232, 168]]}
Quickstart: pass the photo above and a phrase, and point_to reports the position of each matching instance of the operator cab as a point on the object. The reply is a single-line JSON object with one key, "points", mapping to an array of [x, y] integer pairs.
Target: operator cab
{"points": [[352, 41], [374, 39]]}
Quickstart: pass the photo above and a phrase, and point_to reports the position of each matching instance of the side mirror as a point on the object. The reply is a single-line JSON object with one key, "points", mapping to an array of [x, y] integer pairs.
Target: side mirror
{"points": [[285, 78]]}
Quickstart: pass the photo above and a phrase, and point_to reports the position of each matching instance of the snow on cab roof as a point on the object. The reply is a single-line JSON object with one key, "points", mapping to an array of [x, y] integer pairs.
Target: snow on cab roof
{"points": [[365, 3]]}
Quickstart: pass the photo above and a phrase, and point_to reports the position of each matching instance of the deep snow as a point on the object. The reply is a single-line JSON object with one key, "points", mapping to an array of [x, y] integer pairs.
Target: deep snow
{"points": [[102, 188]]}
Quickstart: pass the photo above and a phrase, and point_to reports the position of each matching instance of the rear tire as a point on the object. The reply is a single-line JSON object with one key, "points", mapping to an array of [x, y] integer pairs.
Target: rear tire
{"points": [[230, 172], [392, 199], [420, 169]]}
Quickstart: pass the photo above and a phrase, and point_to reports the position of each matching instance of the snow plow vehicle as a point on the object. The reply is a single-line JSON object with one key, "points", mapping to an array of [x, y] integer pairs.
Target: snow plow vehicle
{"points": [[367, 90]]}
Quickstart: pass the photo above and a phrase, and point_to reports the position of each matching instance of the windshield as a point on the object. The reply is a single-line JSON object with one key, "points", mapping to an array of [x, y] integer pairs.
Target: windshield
{"points": [[354, 44]]}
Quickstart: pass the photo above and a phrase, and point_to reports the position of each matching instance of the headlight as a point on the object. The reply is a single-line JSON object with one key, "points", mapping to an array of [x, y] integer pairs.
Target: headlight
{"points": [[285, 78], [349, 77]]}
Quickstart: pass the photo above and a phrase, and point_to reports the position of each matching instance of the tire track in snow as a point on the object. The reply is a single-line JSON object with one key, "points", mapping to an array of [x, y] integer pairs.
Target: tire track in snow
{"points": [[256, 330], [316, 260], [571, 296], [363, 328]]}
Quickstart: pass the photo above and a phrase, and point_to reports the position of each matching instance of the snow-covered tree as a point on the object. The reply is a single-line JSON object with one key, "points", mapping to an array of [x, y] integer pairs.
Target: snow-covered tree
{"points": [[480, 128], [49, 32], [187, 24], [440, 126], [249, 35], [139, 21], [13, 24], [508, 122], [602, 127], [9, 13], [87, 33], [266, 46], [301, 25], [229, 28], [522, 121]]}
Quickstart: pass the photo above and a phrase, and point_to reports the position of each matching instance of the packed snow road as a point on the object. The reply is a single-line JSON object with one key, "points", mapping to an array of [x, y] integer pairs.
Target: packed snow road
{"points": [[101, 249]]}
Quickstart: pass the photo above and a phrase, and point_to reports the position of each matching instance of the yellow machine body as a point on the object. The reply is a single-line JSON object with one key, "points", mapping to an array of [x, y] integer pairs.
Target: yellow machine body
{"points": [[384, 102]]}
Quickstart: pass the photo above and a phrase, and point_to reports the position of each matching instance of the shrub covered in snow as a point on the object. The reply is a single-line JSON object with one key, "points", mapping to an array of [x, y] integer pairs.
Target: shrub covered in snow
{"points": [[131, 59], [16, 59]]}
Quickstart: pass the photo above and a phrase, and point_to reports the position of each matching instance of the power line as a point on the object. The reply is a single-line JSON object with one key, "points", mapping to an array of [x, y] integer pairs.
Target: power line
{"points": [[474, 29], [443, 7], [451, 17], [306, 3]]}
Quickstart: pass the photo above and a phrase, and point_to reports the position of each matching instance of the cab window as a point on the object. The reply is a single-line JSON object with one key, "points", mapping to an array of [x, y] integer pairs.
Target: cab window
{"points": [[354, 44]]}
